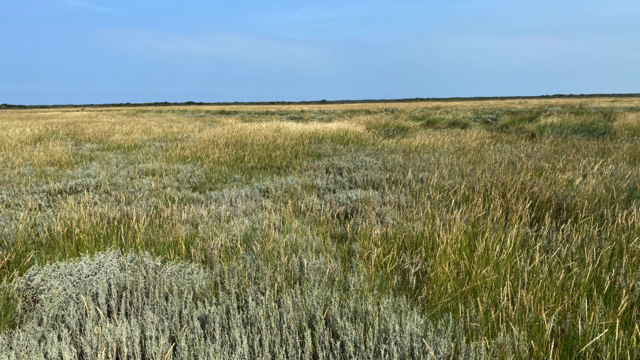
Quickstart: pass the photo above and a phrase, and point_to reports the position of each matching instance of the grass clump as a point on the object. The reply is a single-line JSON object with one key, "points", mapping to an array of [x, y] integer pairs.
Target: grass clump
{"points": [[595, 129], [439, 120], [389, 128]]}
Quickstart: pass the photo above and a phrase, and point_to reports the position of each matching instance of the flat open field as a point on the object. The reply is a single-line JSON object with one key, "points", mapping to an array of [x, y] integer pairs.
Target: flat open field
{"points": [[470, 230]]}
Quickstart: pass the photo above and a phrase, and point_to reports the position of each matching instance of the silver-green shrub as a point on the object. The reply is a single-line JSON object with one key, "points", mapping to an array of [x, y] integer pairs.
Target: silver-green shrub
{"points": [[112, 306]]}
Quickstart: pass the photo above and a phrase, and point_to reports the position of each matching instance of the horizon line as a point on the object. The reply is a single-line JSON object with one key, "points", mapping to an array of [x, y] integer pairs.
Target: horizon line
{"points": [[321, 102]]}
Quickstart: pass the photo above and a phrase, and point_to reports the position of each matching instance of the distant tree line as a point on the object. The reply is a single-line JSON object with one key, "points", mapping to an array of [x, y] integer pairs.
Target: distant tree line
{"points": [[321, 102]]}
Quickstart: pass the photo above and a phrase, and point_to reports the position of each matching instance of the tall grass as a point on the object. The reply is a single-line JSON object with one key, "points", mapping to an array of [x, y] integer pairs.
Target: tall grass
{"points": [[516, 226]]}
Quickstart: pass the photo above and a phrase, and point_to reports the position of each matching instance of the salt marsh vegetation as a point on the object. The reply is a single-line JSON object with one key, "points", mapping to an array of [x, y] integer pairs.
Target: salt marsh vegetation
{"points": [[496, 229]]}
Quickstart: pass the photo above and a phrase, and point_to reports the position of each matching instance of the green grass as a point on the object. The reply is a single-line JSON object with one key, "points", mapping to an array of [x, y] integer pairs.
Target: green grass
{"points": [[507, 231]]}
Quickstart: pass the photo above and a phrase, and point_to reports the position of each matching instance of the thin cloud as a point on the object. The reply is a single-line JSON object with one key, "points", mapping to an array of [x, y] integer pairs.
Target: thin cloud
{"points": [[520, 49], [90, 6], [233, 48]]}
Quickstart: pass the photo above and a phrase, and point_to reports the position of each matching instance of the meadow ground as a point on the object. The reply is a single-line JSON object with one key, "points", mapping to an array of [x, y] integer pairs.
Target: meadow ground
{"points": [[496, 229]]}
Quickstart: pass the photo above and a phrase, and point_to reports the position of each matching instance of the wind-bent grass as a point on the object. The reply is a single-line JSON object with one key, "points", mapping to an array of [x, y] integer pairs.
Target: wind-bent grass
{"points": [[504, 229]]}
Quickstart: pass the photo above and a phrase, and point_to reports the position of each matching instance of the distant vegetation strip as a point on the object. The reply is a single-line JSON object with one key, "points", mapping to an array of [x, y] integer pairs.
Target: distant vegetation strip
{"points": [[320, 102]]}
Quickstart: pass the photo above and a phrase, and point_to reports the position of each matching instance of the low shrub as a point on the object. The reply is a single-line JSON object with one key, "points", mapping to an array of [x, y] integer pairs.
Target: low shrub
{"points": [[112, 306]]}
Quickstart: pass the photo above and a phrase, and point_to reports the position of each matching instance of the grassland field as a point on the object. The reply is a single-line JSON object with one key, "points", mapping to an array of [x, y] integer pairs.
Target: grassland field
{"points": [[455, 230]]}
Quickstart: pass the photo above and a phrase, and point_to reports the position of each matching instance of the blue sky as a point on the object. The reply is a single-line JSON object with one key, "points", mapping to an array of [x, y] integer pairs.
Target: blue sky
{"points": [[98, 51]]}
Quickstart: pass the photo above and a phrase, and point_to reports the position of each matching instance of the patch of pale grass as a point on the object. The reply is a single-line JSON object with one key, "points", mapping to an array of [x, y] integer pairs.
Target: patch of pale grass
{"points": [[628, 123]]}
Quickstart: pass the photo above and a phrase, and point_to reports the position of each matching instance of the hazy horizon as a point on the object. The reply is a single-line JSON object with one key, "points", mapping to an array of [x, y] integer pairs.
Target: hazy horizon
{"points": [[81, 52]]}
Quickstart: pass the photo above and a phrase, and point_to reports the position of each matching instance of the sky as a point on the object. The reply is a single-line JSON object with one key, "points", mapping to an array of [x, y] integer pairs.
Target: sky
{"points": [[98, 51]]}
